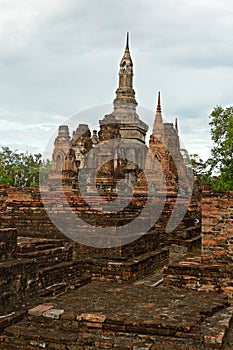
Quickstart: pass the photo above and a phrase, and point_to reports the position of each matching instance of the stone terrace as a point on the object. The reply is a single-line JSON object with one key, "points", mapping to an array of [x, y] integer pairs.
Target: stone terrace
{"points": [[168, 315], [106, 316]]}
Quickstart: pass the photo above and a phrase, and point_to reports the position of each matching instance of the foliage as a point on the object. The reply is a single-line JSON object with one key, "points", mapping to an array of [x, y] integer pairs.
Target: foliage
{"points": [[21, 169], [217, 171], [45, 169], [222, 152], [200, 167]]}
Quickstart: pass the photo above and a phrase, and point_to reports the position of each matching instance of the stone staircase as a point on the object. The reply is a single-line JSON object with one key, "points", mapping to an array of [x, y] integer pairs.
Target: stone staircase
{"points": [[57, 271]]}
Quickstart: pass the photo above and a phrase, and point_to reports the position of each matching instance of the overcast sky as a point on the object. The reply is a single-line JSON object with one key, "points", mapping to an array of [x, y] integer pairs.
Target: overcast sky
{"points": [[60, 57]]}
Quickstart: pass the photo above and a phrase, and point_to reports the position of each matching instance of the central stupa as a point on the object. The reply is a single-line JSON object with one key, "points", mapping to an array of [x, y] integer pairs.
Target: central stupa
{"points": [[124, 113]]}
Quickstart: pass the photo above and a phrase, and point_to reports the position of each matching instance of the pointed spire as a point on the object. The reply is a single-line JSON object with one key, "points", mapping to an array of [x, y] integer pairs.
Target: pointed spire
{"points": [[124, 113], [158, 128], [125, 94], [158, 110], [176, 125], [126, 60], [127, 41]]}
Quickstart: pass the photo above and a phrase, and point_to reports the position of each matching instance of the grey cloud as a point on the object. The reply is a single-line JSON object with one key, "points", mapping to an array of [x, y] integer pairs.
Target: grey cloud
{"points": [[58, 59]]}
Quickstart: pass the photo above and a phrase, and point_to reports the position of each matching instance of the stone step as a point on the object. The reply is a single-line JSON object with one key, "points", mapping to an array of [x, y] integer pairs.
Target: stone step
{"points": [[62, 272], [130, 270], [22, 249], [28, 244], [191, 244], [49, 256], [152, 280], [7, 320], [193, 273], [29, 333], [23, 336], [26, 335], [62, 287]]}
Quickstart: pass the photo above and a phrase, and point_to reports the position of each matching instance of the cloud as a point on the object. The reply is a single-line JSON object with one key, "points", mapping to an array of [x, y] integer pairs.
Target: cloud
{"points": [[59, 58], [22, 148]]}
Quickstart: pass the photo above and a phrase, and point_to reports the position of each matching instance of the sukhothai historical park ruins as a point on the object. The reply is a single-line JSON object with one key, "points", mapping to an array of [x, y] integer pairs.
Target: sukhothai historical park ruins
{"points": [[122, 248]]}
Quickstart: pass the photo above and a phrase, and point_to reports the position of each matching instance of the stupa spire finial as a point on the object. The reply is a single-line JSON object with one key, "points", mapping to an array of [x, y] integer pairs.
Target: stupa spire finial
{"points": [[158, 128], [176, 125], [158, 110], [127, 41], [125, 94]]}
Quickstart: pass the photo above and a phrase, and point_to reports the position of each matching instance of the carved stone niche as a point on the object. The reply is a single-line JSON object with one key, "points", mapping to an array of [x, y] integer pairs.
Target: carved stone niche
{"points": [[82, 137], [109, 131]]}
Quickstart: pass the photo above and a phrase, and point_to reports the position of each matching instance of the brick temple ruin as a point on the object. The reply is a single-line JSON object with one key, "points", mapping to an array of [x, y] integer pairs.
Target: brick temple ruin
{"points": [[167, 289], [128, 155]]}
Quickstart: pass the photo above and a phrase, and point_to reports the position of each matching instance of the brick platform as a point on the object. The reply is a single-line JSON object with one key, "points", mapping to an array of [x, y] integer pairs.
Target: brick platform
{"points": [[106, 316], [193, 273], [129, 270], [24, 209]]}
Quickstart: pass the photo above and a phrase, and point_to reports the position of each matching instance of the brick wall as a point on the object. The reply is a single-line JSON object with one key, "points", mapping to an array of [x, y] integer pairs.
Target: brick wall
{"points": [[212, 271], [192, 273], [217, 226], [24, 209], [129, 271], [8, 244], [18, 281]]}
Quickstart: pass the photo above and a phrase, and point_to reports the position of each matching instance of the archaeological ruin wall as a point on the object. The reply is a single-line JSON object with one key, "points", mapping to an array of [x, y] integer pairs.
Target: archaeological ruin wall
{"points": [[211, 270], [24, 210], [217, 226]]}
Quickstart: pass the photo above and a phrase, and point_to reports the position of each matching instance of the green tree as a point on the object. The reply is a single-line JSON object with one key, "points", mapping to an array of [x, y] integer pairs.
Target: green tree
{"points": [[217, 171], [45, 169], [221, 161], [21, 169], [200, 167]]}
